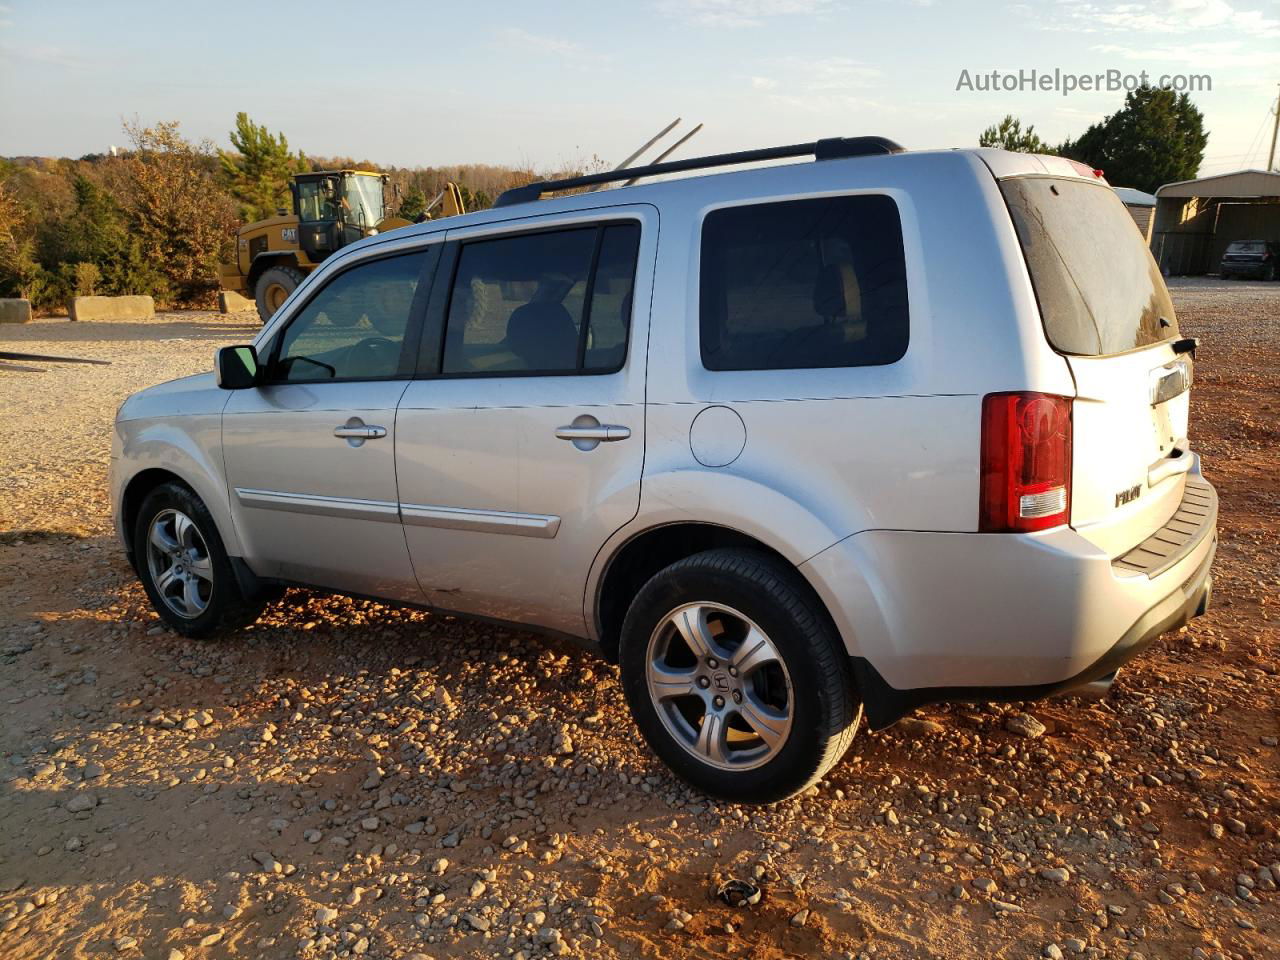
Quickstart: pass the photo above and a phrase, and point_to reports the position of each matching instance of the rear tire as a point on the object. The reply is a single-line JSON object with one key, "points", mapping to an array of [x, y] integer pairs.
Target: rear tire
{"points": [[767, 705], [184, 567], [274, 287]]}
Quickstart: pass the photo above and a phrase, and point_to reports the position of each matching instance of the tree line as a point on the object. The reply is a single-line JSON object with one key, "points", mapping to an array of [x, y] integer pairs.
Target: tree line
{"points": [[159, 216], [1157, 137]]}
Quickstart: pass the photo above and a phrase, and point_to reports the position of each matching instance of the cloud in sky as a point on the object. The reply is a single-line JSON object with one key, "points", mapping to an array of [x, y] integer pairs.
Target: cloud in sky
{"points": [[1205, 56], [566, 50], [1158, 17], [42, 54], [739, 13], [819, 85]]}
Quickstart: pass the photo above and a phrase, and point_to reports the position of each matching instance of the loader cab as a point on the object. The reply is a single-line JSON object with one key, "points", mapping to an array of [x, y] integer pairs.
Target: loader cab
{"points": [[336, 208]]}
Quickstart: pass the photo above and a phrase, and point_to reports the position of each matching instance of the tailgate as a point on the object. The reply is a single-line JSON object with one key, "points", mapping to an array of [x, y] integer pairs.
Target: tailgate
{"points": [[1130, 453], [1105, 308]]}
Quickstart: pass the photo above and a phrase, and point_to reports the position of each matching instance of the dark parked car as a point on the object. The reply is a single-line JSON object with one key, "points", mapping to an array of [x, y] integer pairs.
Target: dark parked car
{"points": [[1255, 259]]}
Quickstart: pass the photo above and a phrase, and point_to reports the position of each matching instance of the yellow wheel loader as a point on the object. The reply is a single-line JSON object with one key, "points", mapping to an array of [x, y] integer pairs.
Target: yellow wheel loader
{"points": [[331, 208]]}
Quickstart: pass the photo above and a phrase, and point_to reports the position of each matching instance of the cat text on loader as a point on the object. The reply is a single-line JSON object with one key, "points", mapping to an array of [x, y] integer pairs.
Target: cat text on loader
{"points": [[331, 209]]}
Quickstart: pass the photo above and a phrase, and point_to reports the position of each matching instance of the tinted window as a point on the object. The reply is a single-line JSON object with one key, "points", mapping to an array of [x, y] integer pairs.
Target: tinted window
{"points": [[354, 328], [803, 283], [611, 298], [548, 302], [1099, 289]]}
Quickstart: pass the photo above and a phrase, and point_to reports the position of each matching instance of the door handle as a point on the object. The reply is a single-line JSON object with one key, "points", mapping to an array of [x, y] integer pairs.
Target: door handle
{"points": [[362, 433], [355, 431], [603, 433]]}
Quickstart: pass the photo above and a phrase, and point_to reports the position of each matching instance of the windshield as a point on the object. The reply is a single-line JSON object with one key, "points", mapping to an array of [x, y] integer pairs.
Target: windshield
{"points": [[1246, 246], [1099, 289], [363, 206]]}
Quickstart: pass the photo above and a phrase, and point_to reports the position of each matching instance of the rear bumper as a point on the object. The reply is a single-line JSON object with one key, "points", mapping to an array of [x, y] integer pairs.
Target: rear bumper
{"points": [[1255, 270], [884, 704], [928, 617]]}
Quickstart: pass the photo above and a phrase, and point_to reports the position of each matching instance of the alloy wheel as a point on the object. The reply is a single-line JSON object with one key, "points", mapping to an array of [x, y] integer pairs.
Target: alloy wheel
{"points": [[719, 686], [179, 563]]}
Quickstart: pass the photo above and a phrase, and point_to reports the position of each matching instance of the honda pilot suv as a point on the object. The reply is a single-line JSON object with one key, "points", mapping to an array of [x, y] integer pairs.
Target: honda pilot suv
{"points": [[794, 445]]}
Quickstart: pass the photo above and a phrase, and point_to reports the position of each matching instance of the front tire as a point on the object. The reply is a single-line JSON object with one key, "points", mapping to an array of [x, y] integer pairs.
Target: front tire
{"points": [[736, 678], [274, 287], [183, 565]]}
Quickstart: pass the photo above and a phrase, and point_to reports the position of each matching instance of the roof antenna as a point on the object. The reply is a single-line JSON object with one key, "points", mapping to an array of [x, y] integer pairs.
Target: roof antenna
{"points": [[647, 144], [670, 150]]}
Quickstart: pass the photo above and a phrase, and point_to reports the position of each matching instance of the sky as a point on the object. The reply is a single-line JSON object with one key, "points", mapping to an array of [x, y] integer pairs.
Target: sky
{"points": [[553, 84]]}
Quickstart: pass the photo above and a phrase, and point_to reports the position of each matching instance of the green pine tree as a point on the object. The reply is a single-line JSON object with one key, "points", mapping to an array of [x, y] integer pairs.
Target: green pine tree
{"points": [[414, 202], [1158, 137], [258, 173], [1009, 135]]}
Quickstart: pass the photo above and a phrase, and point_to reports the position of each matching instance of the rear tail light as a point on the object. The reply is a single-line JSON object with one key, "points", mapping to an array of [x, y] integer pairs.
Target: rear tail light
{"points": [[1026, 462]]}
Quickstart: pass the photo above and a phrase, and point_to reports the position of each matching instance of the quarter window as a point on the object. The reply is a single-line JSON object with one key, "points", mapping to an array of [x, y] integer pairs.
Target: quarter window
{"points": [[803, 283], [354, 328], [543, 303]]}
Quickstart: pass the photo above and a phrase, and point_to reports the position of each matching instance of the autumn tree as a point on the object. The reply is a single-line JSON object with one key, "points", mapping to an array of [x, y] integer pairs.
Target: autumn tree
{"points": [[20, 273], [258, 173], [183, 221]]}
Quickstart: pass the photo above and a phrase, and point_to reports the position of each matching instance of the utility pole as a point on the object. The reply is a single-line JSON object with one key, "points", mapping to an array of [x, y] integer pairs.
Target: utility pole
{"points": [[1275, 128]]}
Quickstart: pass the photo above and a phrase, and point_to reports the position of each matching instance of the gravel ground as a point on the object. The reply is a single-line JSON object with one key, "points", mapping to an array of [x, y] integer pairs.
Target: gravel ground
{"points": [[348, 778]]}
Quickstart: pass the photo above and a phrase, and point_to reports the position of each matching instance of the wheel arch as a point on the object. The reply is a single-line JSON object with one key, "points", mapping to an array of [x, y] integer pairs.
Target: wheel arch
{"points": [[631, 563], [135, 491], [265, 261], [183, 450]]}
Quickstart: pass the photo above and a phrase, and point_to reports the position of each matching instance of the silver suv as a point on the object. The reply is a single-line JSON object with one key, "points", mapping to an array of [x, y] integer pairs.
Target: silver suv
{"points": [[793, 445]]}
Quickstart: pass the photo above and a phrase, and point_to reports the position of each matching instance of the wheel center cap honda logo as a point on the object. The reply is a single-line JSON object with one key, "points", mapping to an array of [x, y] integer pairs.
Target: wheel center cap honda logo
{"points": [[721, 682]]}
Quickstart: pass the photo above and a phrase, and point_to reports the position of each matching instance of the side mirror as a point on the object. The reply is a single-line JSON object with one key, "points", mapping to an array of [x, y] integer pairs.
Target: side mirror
{"points": [[236, 367]]}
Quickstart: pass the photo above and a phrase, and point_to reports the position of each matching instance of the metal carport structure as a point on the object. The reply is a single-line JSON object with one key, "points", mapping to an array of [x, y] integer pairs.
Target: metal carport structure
{"points": [[1196, 219]]}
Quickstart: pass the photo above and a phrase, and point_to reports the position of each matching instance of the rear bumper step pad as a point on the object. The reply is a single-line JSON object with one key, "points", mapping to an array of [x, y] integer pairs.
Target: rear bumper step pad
{"points": [[1195, 517]]}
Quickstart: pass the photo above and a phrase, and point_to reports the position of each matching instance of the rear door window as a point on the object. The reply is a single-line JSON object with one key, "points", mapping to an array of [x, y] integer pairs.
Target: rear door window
{"points": [[1099, 288], [552, 302], [803, 284]]}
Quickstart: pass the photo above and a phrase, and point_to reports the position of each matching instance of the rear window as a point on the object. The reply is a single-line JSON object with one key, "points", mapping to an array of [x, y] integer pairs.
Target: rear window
{"points": [[1099, 289], [803, 283], [1247, 246]]}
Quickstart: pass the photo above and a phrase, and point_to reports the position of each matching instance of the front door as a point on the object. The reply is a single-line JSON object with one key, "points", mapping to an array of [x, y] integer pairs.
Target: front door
{"points": [[310, 453], [521, 444]]}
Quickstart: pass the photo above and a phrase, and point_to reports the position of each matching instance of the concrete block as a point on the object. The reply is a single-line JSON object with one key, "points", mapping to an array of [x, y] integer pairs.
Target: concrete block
{"points": [[15, 311], [231, 302], [100, 309]]}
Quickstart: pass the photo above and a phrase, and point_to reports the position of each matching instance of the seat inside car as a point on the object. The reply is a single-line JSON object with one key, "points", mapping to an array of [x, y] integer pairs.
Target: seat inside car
{"points": [[541, 332]]}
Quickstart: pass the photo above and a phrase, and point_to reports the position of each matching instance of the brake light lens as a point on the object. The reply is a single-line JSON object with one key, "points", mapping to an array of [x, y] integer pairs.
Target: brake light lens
{"points": [[1026, 462]]}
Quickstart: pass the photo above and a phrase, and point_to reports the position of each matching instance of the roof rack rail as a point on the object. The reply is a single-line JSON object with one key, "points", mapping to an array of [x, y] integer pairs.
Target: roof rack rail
{"points": [[832, 148]]}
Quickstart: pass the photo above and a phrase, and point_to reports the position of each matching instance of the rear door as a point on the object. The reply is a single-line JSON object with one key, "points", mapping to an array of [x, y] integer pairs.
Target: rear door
{"points": [[1106, 308], [521, 444]]}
